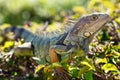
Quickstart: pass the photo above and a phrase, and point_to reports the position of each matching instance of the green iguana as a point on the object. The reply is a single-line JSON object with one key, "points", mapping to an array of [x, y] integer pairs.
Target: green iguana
{"points": [[71, 38]]}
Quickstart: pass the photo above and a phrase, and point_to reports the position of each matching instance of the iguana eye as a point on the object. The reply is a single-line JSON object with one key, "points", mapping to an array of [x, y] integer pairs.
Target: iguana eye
{"points": [[94, 17]]}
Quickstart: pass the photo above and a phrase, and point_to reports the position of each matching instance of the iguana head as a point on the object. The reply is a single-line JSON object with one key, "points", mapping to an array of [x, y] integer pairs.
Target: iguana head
{"points": [[89, 25]]}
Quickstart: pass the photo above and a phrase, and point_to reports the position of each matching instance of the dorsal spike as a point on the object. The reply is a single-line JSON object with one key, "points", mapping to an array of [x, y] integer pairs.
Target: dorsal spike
{"points": [[69, 24]]}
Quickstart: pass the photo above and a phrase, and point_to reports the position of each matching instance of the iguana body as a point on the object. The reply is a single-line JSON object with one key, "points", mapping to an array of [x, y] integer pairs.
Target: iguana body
{"points": [[76, 37]]}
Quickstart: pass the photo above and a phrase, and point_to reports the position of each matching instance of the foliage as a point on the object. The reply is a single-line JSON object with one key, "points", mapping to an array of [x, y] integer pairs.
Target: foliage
{"points": [[103, 60], [17, 11]]}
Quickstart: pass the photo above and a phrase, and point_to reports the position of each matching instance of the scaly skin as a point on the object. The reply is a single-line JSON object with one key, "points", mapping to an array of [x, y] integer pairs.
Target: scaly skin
{"points": [[77, 37]]}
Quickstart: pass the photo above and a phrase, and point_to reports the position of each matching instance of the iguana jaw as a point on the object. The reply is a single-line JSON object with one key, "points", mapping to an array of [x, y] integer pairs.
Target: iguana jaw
{"points": [[97, 26]]}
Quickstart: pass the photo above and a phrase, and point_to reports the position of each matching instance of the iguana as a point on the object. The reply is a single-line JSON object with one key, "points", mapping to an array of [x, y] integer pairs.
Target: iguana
{"points": [[74, 37]]}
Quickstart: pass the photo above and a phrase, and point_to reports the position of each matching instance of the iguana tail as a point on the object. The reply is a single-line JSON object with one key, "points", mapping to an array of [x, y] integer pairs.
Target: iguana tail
{"points": [[20, 33]]}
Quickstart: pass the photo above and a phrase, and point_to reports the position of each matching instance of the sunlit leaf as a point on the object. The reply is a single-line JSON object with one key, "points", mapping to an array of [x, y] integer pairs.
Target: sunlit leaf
{"points": [[109, 67], [5, 25], [116, 53], [56, 64], [88, 63], [79, 9], [8, 44], [39, 67], [98, 60]]}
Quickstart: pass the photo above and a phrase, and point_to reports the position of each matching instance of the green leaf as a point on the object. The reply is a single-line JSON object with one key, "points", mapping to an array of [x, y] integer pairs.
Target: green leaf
{"points": [[88, 63], [115, 53], [73, 71], [89, 75], [57, 64], [104, 60], [117, 47], [39, 67], [108, 50], [8, 44], [47, 69], [109, 67], [83, 70], [15, 73]]}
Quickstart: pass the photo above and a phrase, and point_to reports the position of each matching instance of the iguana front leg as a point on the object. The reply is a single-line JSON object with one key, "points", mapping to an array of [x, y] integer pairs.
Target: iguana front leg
{"points": [[54, 58], [54, 50]]}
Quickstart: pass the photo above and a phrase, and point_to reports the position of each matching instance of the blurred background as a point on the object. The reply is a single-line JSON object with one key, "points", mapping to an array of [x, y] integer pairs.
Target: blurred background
{"points": [[16, 12]]}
